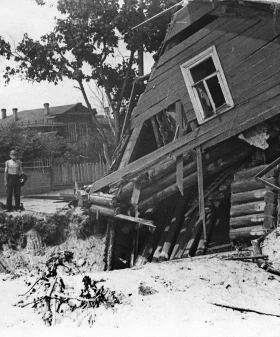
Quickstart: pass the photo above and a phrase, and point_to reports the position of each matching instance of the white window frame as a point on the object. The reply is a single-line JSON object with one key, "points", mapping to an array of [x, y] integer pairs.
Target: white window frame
{"points": [[186, 71]]}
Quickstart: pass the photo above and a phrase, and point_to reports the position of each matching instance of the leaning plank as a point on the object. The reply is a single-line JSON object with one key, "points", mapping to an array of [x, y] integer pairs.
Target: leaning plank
{"points": [[175, 222], [202, 244], [110, 236], [164, 232], [219, 133], [130, 146], [194, 239], [147, 248], [184, 236], [144, 222]]}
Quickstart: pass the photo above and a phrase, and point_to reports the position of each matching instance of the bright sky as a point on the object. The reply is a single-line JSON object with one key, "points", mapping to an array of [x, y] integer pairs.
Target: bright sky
{"points": [[25, 16]]}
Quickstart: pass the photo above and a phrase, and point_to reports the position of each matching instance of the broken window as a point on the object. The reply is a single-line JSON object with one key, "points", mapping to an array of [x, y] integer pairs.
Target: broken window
{"points": [[207, 85]]}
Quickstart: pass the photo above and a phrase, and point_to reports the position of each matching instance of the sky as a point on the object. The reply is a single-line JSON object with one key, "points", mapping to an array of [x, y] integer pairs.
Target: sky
{"points": [[25, 16]]}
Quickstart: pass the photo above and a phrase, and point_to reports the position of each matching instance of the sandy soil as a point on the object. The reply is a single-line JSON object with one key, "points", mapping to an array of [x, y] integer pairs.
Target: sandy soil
{"points": [[42, 205], [183, 304], [192, 298]]}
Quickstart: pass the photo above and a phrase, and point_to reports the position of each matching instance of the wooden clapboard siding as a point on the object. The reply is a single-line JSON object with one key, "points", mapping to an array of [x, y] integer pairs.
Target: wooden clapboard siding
{"points": [[186, 16], [171, 70], [171, 76]]}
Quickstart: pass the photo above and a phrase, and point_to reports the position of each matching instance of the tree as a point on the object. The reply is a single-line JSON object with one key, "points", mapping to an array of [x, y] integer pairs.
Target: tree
{"points": [[83, 47]]}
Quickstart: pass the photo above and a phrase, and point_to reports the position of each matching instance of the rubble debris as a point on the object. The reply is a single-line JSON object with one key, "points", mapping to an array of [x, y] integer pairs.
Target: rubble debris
{"points": [[145, 290], [51, 296]]}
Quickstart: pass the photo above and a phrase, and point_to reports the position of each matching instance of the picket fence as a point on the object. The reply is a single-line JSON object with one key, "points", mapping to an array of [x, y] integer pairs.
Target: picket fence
{"points": [[84, 173]]}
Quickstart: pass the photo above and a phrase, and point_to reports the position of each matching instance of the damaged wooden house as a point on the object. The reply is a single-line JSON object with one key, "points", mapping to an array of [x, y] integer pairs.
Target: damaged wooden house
{"points": [[183, 180]]}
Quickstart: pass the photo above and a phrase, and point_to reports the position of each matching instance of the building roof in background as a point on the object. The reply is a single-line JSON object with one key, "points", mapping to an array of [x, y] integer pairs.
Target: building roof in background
{"points": [[38, 116]]}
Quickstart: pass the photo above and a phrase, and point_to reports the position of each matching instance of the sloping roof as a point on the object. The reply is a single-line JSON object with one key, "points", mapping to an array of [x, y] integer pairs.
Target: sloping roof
{"points": [[38, 115]]}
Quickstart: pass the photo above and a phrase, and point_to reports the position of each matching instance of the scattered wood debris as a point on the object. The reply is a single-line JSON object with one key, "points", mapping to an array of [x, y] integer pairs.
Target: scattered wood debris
{"points": [[50, 295]]}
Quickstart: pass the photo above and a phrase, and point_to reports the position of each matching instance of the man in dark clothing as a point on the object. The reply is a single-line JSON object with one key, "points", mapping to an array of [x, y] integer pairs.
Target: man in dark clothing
{"points": [[13, 170]]}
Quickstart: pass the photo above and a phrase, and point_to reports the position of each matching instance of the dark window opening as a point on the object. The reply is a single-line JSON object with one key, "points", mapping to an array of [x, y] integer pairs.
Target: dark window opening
{"points": [[203, 70], [206, 83], [189, 31]]}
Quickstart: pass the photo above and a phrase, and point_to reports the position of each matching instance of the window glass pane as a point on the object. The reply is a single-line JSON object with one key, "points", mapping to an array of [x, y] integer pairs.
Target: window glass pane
{"points": [[204, 100], [216, 91], [203, 70]]}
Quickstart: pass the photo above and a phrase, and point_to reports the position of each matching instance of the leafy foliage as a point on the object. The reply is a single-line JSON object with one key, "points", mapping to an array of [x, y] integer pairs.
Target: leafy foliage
{"points": [[85, 45]]}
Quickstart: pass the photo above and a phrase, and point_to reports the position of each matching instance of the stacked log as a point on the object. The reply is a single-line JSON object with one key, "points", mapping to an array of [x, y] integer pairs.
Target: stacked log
{"points": [[253, 206]]}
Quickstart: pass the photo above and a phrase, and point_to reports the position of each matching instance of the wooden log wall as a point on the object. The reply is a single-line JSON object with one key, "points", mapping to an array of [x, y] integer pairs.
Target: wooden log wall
{"points": [[253, 206]]}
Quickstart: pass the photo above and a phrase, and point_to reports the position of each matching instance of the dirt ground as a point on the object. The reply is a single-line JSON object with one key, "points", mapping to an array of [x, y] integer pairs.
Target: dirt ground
{"points": [[42, 205], [206, 297], [190, 298]]}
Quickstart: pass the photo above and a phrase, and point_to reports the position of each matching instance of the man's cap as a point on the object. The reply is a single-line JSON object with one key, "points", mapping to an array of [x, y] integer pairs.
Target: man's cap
{"points": [[13, 152]]}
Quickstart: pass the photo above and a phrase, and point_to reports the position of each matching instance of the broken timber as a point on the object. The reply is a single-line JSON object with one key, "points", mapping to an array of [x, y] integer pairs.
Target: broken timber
{"points": [[182, 136]]}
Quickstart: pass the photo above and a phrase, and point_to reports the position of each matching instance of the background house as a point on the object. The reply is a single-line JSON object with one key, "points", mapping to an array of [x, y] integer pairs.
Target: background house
{"points": [[71, 121]]}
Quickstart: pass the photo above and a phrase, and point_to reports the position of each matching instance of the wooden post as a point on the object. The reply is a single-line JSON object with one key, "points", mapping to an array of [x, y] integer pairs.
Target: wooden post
{"points": [[200, 190], [110, 244]]}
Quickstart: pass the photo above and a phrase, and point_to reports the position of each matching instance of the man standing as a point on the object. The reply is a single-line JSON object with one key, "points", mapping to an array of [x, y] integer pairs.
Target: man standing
{"points": [[13, 170]]}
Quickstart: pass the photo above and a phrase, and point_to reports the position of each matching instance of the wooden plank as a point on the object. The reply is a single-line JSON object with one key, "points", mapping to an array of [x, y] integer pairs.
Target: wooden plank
{"points": [[172, 70], [187, 15], [164, 232], [130, 146], [210, 222], [260, 36], [201, 189], [173, 229], [184, 236], [136, 220], [156, 133], [110, 244], [253, 64], [194, 239], [223, 128], [176, 74], [162, 104], [190, 45]]}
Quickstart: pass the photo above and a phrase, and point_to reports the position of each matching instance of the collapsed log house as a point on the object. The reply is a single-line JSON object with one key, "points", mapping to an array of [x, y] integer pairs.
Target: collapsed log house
{"points": [[183, 180]]}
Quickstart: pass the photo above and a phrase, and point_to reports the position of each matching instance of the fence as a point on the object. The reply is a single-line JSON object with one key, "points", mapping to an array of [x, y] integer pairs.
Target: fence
{"points": [[84, 173], [43, 177], [33, 165]]}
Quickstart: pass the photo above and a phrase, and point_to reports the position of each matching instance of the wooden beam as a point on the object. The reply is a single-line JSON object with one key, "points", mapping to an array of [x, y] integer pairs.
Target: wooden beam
{"points": [[157, 136], [141, 221], [200, 190], [220, 131], [130, 146]]}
